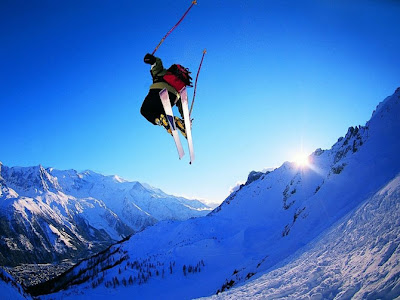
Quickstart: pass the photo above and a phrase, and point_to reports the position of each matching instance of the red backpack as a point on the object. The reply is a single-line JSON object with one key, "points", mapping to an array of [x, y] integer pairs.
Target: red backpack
{"points": [[178, 77]]}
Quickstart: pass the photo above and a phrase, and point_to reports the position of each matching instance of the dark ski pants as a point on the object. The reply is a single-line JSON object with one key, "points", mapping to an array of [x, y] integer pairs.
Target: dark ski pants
{"points": [[152, 107]]}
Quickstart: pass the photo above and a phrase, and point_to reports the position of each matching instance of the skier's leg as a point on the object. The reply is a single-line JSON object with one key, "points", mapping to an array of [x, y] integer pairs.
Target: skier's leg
{"points": [[179, 121], [180, 124], [153, 110], [152, 107]]}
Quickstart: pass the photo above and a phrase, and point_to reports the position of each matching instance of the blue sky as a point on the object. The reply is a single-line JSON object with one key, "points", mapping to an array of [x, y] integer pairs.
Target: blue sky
{"points": [[279, 77]]}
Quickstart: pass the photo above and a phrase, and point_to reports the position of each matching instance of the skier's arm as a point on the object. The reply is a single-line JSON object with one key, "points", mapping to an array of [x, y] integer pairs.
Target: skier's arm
{"points": [[157, 67]]}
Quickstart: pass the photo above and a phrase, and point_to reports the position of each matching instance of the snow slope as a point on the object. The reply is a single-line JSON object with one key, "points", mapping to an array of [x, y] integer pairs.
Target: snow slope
{"points": [[260, 227], [47, 215], [359, 258], [10, 289]]}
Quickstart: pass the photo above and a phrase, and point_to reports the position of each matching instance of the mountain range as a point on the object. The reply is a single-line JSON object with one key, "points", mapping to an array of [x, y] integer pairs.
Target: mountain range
{"points": [[47, 215], [326, 230], [265, 224]]}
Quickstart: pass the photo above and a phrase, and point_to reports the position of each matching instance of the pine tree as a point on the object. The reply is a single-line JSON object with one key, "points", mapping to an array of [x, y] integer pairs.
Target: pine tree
{"points": [[184, 270]]}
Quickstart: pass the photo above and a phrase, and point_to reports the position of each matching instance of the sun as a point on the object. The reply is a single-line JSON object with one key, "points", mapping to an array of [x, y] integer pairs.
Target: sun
{"points": [[302, 160]]}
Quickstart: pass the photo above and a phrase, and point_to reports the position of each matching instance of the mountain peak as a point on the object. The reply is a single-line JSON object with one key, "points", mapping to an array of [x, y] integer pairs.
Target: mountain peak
{"points": [[118, 179], [386, 105], [30, 180], [255, 175]]}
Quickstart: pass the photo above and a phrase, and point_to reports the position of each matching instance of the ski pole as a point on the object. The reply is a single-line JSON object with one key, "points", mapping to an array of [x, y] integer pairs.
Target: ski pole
{"points": [[195, 83], [176, 25]]}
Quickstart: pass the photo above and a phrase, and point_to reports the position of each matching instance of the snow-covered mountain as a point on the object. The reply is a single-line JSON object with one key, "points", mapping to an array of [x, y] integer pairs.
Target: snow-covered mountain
{"points": [[47, 215], [327, 230], [359, 258]]}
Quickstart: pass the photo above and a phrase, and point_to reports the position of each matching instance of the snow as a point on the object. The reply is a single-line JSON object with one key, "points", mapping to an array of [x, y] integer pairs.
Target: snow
{"points": [[327, 231], [9, 289], [353, 260], [66, 213], [62, 237], [320, 232]]}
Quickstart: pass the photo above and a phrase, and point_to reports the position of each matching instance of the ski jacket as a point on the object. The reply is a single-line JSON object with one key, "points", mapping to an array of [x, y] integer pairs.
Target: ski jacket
{"points": [[157, 72]]}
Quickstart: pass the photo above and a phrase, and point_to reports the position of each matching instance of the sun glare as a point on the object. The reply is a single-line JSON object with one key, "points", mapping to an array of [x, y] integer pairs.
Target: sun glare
{"points": [[302, 160]]}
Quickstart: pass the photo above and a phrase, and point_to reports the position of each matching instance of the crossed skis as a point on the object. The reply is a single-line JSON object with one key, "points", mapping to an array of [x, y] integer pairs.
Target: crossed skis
{"points": [[186, 116]]}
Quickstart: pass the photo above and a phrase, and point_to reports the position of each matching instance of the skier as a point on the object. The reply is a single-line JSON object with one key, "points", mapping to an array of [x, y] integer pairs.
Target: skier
{"points": [[152, 108]]}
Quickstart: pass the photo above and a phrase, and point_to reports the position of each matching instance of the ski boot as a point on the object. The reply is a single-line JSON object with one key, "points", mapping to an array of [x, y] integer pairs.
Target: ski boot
{"points": [[162, 121], [180, 125]]}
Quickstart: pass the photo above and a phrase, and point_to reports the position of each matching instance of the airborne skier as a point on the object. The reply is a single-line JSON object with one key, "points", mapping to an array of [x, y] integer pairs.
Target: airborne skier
{"points": [[152, 108], [169, 89]]}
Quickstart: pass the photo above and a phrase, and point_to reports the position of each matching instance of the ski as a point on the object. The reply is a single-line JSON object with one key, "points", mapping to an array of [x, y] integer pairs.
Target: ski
{"points": [[170, 117], [188, 123]]}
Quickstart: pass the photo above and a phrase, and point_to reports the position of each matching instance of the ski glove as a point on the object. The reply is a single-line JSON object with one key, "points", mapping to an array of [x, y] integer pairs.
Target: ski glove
{"points": [[149, 59]]}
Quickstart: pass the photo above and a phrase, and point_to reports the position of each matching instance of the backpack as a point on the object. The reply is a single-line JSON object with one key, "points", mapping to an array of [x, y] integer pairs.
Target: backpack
{"points": [[178, 77]]}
